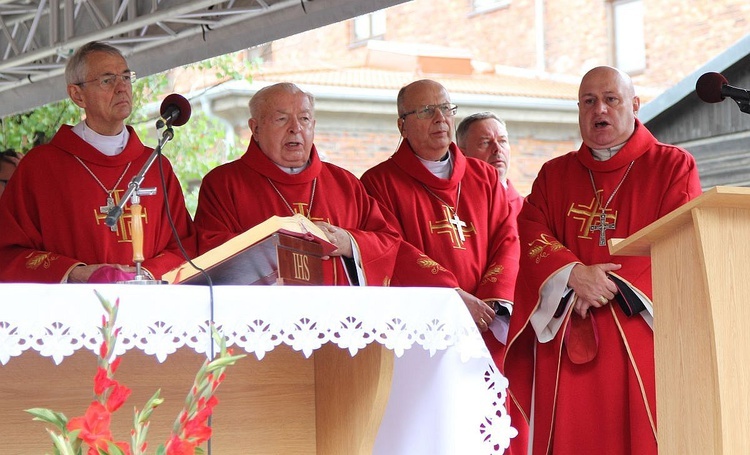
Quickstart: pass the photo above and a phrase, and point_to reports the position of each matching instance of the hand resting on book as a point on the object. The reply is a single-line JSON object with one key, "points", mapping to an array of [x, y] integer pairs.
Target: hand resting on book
{"points": [[339, 237]]}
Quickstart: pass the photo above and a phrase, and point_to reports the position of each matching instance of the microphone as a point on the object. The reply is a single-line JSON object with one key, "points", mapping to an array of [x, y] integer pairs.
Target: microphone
{"points": [[714, 88], [175, 111]]}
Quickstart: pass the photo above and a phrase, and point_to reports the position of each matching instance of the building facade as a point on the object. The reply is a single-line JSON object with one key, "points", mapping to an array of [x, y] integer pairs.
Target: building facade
{"points": [[521, 59]]}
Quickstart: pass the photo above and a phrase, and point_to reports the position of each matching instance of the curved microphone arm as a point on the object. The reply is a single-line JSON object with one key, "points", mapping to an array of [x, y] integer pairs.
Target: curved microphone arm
{"points": [[134, 188]]}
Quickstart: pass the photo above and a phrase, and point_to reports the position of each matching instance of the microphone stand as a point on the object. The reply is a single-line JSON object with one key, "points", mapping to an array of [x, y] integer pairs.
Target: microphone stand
{"points": [[134, 193], [743, 105]]}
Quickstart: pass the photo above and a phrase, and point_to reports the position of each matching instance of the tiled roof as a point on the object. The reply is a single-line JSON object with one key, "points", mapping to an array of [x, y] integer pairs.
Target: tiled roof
{"points": [[494, 84]]}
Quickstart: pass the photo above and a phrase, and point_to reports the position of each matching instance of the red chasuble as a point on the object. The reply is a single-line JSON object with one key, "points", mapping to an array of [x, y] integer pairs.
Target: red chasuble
{"points": [[483, 253], [515, 200], [239, 195], [51, 217], [606, 405]]}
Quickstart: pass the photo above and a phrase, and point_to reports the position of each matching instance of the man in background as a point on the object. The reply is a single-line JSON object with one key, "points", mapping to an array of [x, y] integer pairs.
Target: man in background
{"points": [[484, 136]]}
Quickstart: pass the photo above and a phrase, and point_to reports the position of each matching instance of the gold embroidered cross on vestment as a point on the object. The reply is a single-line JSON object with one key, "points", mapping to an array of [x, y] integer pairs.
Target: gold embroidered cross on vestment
{"points": [[455, 225]]}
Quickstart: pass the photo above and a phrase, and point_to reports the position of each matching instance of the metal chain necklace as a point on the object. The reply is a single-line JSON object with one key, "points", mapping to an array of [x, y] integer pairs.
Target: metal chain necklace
{"points": [[458, 224], [110, 198], [309, 206], [603, 225]]}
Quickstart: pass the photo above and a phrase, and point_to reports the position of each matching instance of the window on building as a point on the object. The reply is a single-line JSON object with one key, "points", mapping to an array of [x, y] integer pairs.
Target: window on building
{"points": [[628, 35], [480, 6], [367, 27]]}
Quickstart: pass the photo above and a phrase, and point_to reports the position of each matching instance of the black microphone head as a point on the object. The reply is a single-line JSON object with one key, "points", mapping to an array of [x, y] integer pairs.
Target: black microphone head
{"points": [[708, 87], [179, 102]]}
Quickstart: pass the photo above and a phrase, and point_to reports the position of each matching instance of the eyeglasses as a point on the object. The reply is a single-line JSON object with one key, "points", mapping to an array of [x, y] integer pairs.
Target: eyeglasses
{"points": [[108, 81], [428, 111]]}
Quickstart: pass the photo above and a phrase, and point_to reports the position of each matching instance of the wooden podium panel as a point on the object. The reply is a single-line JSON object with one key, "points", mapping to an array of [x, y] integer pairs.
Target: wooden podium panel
{"points": [[700, 261], [331, 403]]}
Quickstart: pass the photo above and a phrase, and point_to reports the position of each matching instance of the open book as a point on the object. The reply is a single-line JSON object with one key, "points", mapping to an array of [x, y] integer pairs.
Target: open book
{"points": [[252, 254]]}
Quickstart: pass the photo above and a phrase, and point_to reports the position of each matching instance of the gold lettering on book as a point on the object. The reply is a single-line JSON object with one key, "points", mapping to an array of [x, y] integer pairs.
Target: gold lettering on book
{"points": [[301, 266]]}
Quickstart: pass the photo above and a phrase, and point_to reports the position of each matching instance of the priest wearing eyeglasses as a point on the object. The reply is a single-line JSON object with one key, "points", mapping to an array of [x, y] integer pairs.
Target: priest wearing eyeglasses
{"points": [[451, 207], [53, 210]]}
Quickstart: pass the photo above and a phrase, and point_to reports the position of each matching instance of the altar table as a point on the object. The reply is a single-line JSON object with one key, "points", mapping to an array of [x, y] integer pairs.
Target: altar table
{"points": [[446, 395]]}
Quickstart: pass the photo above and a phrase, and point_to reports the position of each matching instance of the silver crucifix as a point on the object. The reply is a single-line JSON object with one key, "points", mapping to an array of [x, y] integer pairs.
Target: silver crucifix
{"points": [[105, 210], [459, 226], [601, 227]]}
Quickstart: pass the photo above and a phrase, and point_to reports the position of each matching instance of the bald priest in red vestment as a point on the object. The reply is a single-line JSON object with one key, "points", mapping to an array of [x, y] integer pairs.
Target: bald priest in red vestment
{"points": [[580, 347], [282, 174], [53, 209], [451, 207]]}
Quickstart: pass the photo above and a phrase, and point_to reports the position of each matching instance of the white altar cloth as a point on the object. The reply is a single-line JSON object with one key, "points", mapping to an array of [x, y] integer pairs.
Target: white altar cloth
{"points": [[447, 396]]}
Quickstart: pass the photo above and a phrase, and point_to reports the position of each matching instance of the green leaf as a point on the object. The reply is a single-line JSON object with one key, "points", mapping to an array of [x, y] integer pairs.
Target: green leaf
{"points": [[57, 419]]}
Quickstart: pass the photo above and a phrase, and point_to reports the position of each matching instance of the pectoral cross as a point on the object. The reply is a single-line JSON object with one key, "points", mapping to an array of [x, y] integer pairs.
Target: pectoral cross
{"points": [[602, 227], [106, 208], [458, 226]]}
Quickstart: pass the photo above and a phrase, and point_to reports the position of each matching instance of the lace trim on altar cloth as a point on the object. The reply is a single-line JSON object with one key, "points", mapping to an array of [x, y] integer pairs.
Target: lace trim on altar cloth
{"points": [[159, 322], [259, 337]]}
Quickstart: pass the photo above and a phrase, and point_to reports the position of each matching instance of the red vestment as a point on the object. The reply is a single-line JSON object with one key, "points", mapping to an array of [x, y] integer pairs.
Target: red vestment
{"points": [[239, 195], [51, 218], [485, 262], [515, 200], [606, 405]]}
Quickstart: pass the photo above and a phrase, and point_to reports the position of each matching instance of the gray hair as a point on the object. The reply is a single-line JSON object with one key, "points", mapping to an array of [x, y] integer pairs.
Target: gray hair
{"points": [[75, 69], [463, 127], [262, 96]]}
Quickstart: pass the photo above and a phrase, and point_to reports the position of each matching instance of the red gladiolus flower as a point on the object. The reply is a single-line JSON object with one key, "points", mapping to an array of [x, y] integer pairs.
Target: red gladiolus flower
{"points": [[115, 364], [197, 431], [94, 426], [119, 394], [205, 408], [177, 446], [102, 381]]}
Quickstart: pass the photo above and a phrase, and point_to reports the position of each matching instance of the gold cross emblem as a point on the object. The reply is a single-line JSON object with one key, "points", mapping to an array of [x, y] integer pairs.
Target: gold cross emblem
{"points": [[453, 226]]}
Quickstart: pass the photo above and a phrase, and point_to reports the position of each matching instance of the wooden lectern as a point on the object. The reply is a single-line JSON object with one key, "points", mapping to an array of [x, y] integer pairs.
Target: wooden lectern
{"points": [[700, 262]]}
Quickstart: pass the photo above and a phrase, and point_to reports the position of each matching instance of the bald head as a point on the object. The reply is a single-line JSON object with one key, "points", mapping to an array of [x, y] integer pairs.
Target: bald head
{"points": [[607, 107], [429, 136]]}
